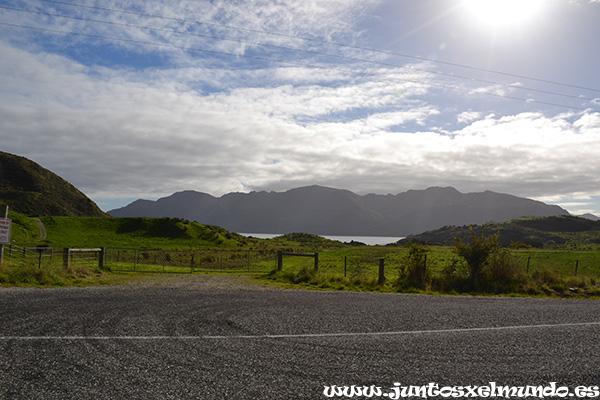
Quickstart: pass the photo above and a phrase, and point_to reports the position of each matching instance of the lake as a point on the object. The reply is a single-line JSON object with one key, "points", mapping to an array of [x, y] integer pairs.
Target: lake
{"points": [[369, 240]]}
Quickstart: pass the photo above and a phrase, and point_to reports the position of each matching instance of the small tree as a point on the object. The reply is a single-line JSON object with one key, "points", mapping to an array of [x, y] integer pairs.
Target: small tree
{"points": [[413, 267], [476, 252]]}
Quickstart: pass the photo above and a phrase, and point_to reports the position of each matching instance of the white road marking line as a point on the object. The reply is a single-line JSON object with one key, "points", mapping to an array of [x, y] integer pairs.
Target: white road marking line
{"points": [[300, 335]]}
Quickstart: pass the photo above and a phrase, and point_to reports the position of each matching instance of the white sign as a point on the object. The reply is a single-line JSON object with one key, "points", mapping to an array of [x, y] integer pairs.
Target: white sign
{"points": [[5, 230]]}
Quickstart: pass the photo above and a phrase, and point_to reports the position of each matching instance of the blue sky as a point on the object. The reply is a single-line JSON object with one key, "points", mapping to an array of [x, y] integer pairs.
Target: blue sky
{"points": [[141, 99]]}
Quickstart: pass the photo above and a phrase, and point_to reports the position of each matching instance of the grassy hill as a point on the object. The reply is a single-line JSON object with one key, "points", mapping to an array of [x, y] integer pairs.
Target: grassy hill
{"points": [[558, 231], [122, 232], [163, 233], [30, 189]]}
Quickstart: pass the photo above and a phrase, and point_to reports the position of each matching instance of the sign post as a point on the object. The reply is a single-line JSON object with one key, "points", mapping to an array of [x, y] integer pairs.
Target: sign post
{"points": [[5, 224]]}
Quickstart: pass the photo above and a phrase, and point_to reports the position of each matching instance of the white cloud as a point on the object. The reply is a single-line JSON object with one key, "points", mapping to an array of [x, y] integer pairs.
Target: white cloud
{"points": [[219, 124], [114, 135], [125, 135], [468, 116]]}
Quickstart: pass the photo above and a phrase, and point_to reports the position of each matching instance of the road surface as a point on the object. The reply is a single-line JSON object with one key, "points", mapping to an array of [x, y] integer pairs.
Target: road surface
{"points": [[240, 342]]}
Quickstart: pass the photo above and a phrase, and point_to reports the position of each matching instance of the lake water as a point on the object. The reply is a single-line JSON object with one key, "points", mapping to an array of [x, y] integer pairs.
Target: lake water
{"points": [[369, 240]]}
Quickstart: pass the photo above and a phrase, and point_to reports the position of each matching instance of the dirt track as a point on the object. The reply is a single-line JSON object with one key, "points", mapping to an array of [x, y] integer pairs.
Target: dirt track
{"points": [[42, 229]]}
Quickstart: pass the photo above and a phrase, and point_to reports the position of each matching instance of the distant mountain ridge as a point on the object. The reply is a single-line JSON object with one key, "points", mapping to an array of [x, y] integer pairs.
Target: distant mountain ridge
{"points": [[327, 211], [31, 189], [590, 216]]}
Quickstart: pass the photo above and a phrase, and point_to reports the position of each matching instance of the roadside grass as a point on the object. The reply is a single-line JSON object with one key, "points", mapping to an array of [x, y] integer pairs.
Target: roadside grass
{"points": [[538, 284], [551, 273], [126, 267], [52, 274]]}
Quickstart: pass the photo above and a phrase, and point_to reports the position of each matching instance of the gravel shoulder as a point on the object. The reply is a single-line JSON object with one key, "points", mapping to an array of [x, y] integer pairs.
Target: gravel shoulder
{"points": [[195, 282]]}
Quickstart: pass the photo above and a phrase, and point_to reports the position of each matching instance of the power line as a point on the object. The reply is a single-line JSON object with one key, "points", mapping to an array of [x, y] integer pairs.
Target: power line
{"points": [[356, 59], [386, 52], [192, 49]]}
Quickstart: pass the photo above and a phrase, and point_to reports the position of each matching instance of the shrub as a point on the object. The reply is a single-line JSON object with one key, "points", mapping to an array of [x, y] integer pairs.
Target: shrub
{"points": [[452, 278], [413, 267], [501, 275], [476, 253]]}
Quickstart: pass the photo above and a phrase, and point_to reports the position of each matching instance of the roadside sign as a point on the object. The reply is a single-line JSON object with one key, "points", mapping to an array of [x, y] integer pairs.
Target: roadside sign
{"points": [[5, 224]]}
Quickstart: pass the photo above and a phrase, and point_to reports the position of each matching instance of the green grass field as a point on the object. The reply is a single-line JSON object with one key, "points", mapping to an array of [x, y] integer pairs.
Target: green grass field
{"points": [[566, 263], [208, 249], [537, 272]]}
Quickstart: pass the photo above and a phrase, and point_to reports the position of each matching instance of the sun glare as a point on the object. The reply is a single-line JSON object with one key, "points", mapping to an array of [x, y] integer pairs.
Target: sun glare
{"points": [[501, 13]]}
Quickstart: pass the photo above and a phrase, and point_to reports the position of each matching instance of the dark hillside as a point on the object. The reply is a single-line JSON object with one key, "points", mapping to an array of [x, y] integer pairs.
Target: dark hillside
{"points": [[535, 232], [28, 188], [560, 224]]}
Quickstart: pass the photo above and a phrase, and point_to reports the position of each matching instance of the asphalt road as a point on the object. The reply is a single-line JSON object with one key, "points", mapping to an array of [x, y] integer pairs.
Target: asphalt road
{"points": [[212, 343]]}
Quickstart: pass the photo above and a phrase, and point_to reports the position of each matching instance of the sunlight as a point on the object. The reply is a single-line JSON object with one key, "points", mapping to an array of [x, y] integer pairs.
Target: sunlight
{"points": [[502, 13]]}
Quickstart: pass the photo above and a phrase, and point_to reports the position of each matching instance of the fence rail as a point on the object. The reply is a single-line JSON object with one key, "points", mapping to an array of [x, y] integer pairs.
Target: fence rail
{"points": [[46, 256], [280, 255], [189, 261], [580, 264]]}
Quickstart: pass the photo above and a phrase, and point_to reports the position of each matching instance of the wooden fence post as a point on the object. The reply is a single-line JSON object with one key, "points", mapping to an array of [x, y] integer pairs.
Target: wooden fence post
{"points": [[66, 254], [279, 260], [316, 262], [381, 271], [101, 258], [3, 214]]}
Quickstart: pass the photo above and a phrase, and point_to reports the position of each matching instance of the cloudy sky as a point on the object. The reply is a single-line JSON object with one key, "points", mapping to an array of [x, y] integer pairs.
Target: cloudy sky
{"points": [[144, 98]]}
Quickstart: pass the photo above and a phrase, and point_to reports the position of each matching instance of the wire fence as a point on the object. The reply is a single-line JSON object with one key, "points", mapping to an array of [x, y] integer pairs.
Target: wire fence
{"points": [[366, 262], [50, 257], [355, 263], [190, 261]]}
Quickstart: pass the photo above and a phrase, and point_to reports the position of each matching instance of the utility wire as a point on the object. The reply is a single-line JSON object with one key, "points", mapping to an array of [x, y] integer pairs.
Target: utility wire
{"points": [[386, 52], [356, 59], [193, 49]]}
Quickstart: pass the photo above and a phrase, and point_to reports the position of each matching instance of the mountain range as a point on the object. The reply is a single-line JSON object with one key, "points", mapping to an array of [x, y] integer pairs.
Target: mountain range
{"points": [[31, 189], [327, 211]]}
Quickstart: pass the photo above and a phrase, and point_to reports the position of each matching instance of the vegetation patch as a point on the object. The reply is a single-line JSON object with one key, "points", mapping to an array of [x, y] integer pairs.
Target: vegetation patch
{"points": [[474, 265], [53, 274], [478, 261]]}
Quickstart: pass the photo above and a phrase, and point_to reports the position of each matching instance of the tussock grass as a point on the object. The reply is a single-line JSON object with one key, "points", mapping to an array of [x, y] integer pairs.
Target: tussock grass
{"points": [[307, 278], [543, 283], [30, 273]]}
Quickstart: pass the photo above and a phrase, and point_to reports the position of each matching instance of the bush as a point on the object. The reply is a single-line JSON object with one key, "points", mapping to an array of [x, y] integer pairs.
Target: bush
{"points": [[501, 274], [476, 253], [452, 279], [413, 270]]}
